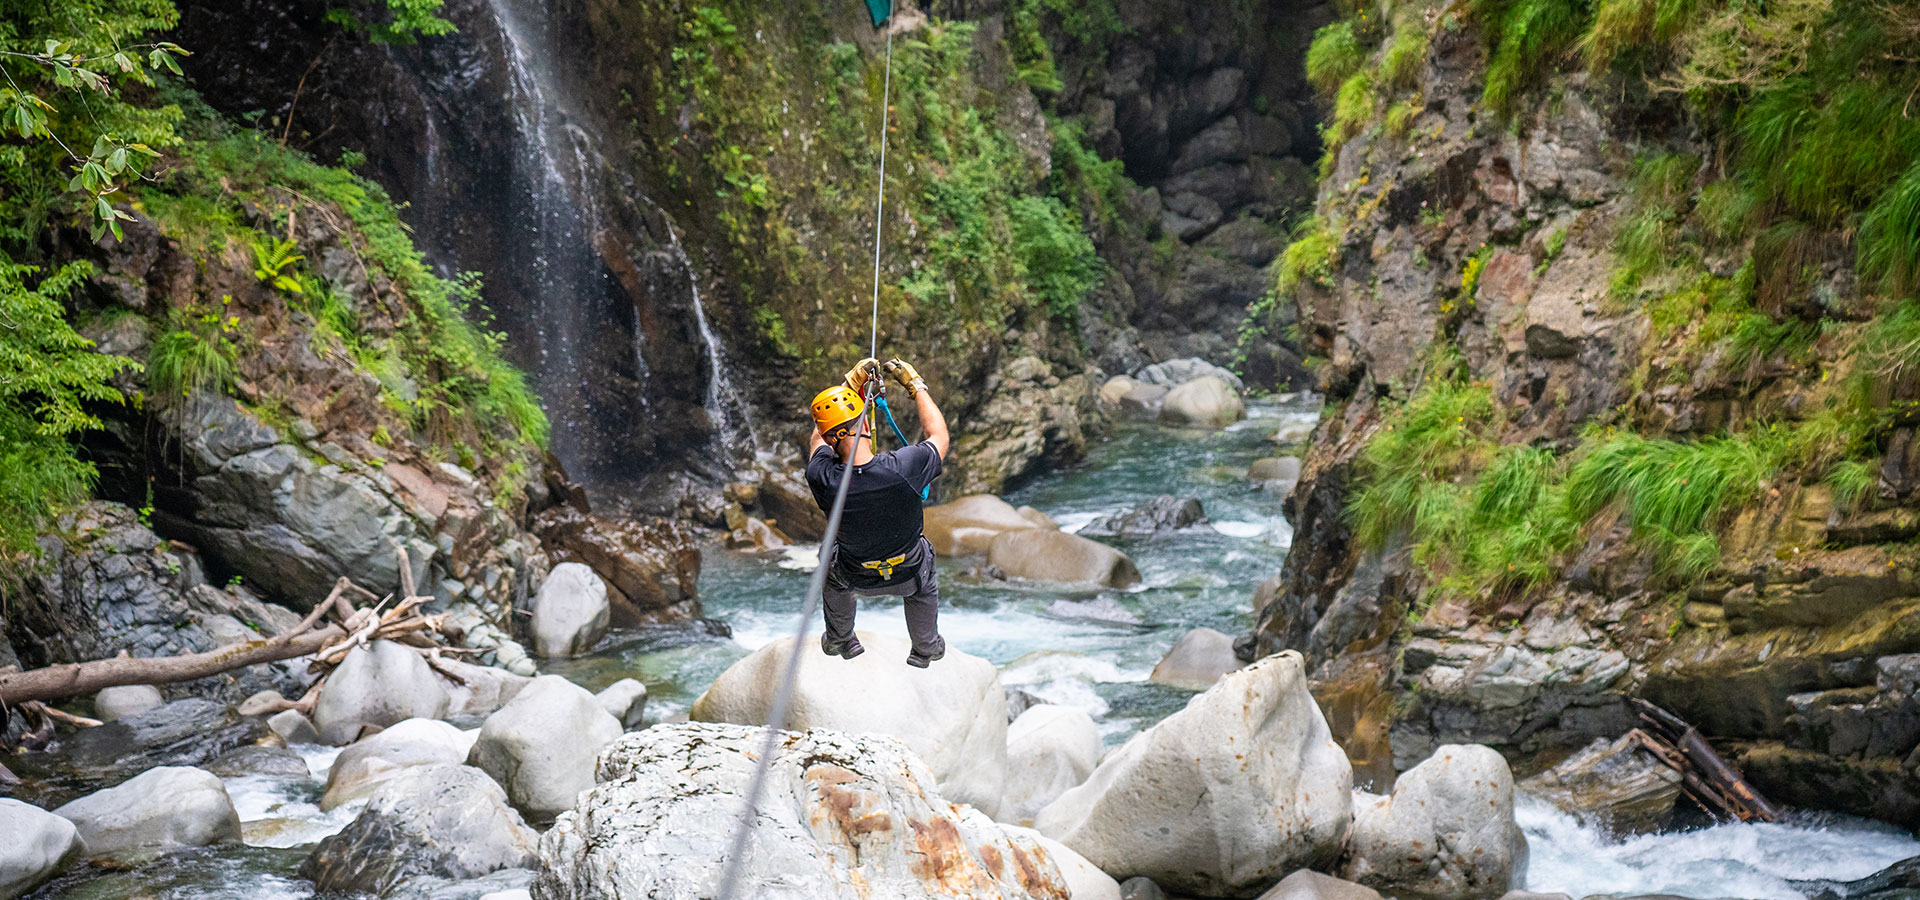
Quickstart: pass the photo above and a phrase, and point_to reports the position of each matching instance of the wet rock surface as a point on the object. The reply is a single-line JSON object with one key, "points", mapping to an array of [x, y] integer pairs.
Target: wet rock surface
{"points": [[1447, 831], [843, 816], [449, 822], [1150, 519], [1040, 555], [164, 807], [1617, 782], [542, 744], [39, 844]]}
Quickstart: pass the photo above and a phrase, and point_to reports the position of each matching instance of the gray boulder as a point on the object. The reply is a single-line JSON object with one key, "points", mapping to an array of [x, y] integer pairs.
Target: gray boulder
{"points": [[1141, 888], [1050, 749], [481, 689], [171, 806], [1039, 555], [38, 845], [379, 684], [625, 700], [1206, 402], [448, 822], [843, 817], [1197, 660], [570, 613], [371, 761], [541, 745], [117, 703], [1176, 372], [293, 728], [1220, 798], [1160, 516], [1143, 401], [260, 759], [189, 732], [1446, 832]]}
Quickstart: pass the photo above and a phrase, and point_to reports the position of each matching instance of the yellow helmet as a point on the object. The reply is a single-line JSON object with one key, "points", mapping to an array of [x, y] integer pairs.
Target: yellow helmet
{"points": [[834, 407]]}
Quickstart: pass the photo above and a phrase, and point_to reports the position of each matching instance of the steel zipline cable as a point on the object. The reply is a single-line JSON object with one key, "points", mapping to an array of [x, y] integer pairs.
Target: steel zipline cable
{"points": [[816, 586]]}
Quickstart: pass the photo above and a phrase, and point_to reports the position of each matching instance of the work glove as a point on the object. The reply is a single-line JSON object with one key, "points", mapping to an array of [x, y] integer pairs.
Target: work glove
{"points": [[861, 371], [904, 373]]}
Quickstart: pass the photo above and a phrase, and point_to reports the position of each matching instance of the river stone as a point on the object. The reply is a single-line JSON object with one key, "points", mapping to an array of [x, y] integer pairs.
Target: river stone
{"points": [[116, 703], [1140, 888], [1221, 797], [625, 700], [1176, 372], [1050, 749], [1197, 660], [38, 845], [570, 612], [1310, 885], [1206, 402], [1618, 782], [954, 714], [967, 526], [1143, 401], [379, 684], [442, 821], [1058, 556], [1899, 881], [842, 817], [293, 728], [171, 806], [372, 760], [260, 759], [1155, 518], [1275, 468], [542, 744], [1115, 388], [1446, 832]]}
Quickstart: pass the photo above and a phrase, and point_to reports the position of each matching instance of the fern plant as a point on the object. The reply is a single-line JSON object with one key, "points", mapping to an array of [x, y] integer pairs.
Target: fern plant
{"points": [[270, 261]]}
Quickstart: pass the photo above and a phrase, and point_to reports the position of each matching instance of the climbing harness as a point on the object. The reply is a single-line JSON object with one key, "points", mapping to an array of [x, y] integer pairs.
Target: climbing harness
{"points": [[816, 585], [884, 567]]}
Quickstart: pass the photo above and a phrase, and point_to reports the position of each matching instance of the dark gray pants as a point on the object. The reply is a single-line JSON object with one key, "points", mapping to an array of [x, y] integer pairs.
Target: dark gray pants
{"points": [[922, 593]]}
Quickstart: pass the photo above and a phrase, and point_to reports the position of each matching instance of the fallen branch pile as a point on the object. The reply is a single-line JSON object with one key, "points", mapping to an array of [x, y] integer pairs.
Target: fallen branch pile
{"points": [[328, 642], [1706, 778]]}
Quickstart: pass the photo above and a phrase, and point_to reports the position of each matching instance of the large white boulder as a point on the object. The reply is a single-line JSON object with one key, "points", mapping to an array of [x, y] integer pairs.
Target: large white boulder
{"points": [[1197, 660], [1220, 798], [570, 612], [954, 714], [372, 760], [380, 684], [1446, 832], [542, 744], [842, 817], [1085, 881], [38, 845], [116, 703], [967, 526], [481, 689], [169, 806], [1176, 372], [1058, 556], [1050, 749], [1205, 402], [1307, 884], [448, 822]]}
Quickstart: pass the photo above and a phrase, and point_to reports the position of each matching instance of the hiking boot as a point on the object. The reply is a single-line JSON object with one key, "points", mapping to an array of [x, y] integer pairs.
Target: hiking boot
{"points": [[917, 661], [846, 649]]}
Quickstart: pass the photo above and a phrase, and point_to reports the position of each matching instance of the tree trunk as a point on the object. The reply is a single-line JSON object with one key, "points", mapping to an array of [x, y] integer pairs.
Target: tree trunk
{"points": [[55, 682]]}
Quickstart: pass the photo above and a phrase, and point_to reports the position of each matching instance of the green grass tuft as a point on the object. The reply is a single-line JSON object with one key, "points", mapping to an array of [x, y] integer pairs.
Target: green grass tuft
{"points": [[1406, 53], [1334, 57], [1351, 109], [188, 361], [1673, 494], [1890, 236]]}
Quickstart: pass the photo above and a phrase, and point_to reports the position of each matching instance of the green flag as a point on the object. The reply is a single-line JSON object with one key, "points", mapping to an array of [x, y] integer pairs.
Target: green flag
{"points": [[880, 10]]}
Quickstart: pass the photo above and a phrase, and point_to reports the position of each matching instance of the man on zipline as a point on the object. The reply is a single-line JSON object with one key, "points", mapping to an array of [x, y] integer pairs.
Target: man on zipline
{"points": [[879, 550]]}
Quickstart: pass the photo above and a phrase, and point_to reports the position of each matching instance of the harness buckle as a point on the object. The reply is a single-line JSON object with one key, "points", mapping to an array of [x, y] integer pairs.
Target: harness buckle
{"points": [[885, 566]]}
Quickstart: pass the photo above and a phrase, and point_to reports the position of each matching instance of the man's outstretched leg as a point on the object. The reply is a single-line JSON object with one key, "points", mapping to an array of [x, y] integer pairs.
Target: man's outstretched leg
{"points": [[923, 618], [838, 604]]}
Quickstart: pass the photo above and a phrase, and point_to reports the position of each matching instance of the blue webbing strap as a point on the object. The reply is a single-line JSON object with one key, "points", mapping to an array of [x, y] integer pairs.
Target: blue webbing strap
{"points": [[888, 412]]}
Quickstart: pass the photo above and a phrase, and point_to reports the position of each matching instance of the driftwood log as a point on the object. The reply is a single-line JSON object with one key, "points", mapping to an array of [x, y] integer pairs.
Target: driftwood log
{"points": [[328, 643], [1705, 777]]}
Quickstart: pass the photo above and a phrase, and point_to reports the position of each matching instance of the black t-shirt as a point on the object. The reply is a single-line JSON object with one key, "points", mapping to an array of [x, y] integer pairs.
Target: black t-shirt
{"points": [[882, 518]]}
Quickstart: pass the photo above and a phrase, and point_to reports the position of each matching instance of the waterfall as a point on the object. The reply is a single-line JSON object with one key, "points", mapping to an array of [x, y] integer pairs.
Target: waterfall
{"points": [[723, 401]]}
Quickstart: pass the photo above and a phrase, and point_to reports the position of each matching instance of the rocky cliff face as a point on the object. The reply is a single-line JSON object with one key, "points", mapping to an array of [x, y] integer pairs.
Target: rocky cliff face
{"points": [[1581, 443], [680, 202]]}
